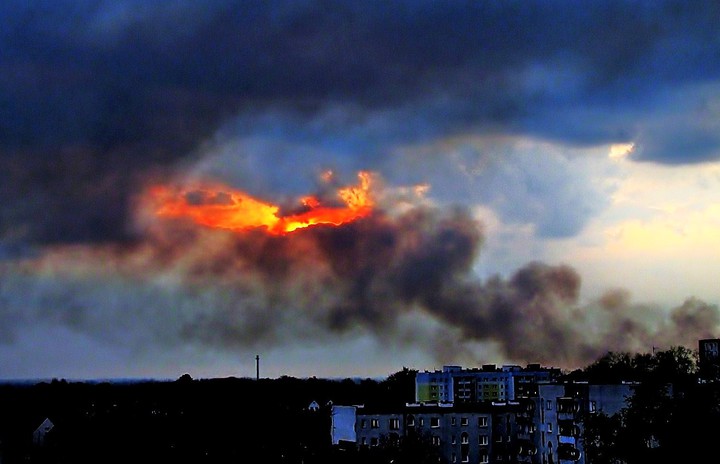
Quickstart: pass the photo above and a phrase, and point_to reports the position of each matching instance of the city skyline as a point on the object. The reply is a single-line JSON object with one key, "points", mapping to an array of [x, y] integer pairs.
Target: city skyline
{"points": [[346, 188]]}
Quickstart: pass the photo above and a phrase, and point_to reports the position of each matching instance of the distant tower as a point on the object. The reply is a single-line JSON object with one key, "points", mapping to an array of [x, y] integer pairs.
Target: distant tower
{"points": [[257, 367]]}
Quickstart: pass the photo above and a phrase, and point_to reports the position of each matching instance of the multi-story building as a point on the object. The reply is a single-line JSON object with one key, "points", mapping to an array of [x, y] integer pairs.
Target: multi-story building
{"points": [[436, 386], [453, 384], [544, 428], [558, 416], [709, 359], [477, 433]]}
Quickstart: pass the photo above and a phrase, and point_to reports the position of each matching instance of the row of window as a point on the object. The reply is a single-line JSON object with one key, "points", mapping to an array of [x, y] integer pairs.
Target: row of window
{"points": [[483, 456], [465, 457], [471, 380], [435, 421], [394, 422], [483, 440], [466, 385]]}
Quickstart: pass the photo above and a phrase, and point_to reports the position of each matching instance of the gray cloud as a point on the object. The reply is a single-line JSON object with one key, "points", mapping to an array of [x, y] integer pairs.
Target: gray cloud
{"points": [[97, 96]]}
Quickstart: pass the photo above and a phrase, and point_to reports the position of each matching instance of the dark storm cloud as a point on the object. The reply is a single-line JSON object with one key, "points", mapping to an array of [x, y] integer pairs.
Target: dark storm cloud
{"points": [[96, 96]]}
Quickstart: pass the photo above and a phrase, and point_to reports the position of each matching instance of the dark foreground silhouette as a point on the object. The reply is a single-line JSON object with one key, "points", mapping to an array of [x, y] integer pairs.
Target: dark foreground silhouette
{"points": [[672, 415]]}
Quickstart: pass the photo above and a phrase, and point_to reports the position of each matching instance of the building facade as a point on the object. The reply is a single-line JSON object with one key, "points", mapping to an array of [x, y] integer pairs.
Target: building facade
{"points": [[559, 411], [709, 359], [453, 384], [462, 433], [546, 428]]}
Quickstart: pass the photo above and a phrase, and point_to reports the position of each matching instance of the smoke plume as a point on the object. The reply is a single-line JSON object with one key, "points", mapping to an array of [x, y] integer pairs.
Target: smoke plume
{"points": [[187, 283]]}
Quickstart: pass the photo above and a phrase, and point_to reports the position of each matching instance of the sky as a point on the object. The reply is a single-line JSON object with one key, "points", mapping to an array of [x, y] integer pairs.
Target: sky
{"points": [[521, 182]]}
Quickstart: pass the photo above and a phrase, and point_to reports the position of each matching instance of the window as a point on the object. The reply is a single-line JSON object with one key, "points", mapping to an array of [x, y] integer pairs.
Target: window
{"points": [[421, 421], [452, 421], [454, 457], [483, 440], [464, 439], [434, 422], [549, 427], [463, 421], [436, 440], [373, 441], [484, 458], [453, 440], [551, 459], [363, 441], [549, 404], [374, 423], [593, 406], [363, 423], [482, 421], [411, 421], [394, 424]]}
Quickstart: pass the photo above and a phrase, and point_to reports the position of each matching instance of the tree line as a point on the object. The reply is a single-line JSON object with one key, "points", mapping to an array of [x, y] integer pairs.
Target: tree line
{"points": [[670, 416]]}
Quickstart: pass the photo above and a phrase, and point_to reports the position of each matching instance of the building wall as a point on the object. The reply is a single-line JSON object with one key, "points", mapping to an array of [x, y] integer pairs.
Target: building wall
{"points": [[435, 386], [542, 429], [547, 440], [462, 435], [342, 424], [457, 385], [709, 359], [560, 409], [374, 427]]}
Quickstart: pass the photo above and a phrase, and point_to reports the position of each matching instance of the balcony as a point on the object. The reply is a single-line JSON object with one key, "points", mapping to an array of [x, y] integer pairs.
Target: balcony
{"points": [[568, 428], [527, 406], [567, 407], [526, 448], [567, 452]]}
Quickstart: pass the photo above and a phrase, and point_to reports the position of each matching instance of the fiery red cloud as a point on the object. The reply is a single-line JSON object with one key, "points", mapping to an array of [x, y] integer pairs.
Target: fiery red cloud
{"points": [[219, 206]]}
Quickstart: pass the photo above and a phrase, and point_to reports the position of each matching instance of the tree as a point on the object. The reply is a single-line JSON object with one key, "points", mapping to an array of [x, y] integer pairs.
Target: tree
{"points": [[659, 412], [660, 420], [399, 388], [602, 438]]}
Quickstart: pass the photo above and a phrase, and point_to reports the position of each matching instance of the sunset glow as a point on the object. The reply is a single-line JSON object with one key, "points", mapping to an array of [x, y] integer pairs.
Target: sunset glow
{"points": [[220, 206]]}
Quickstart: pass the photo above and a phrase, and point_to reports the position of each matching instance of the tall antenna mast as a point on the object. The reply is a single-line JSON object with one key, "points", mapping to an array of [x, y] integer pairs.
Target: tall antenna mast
{"points": [[257, 367]]}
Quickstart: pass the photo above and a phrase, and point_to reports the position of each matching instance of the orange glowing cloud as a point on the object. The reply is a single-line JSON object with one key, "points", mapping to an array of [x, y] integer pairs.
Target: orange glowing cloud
{"points": [[219, 206]]}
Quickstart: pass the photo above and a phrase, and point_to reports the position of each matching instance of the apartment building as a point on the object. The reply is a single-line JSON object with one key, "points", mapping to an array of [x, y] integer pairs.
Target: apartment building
{"points": [[454, 384], [558, 413], [709, 359], [478, 433], [545, 428]]}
